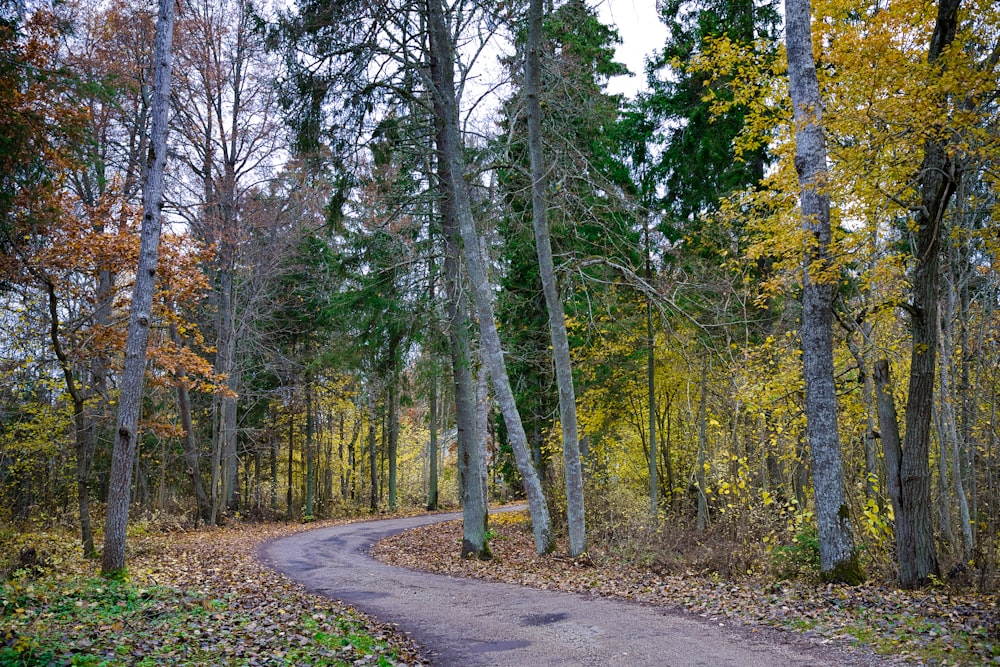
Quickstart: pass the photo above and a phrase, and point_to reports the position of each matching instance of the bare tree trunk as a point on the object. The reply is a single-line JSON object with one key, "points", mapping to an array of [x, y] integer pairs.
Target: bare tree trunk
{"points": [[191, 457], [475, 517], [450, 151], [837, 555], [432, 449], [141, 311], [573, 472]]}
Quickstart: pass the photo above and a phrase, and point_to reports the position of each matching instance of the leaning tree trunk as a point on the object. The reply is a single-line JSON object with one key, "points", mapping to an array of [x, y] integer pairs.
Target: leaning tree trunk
{"points": [[140, 313], [557, 318], [450, 150], [475, 516], [837, 556]]}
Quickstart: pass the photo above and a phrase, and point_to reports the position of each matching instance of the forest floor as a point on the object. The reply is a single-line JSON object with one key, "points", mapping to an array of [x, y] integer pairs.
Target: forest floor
{"points": [[191, 597], [934, 626], [201, 597]]}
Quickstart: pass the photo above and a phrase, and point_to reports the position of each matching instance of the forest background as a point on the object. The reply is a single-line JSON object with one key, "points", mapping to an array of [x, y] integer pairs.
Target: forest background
{"points": [[354, 251]]}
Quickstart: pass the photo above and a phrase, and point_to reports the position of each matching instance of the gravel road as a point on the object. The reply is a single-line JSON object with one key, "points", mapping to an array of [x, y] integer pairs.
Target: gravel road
{"points": [[468, 622]]}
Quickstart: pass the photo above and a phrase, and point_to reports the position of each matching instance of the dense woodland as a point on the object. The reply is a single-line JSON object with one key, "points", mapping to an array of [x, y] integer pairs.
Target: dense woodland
{"points": [[413, 253]]}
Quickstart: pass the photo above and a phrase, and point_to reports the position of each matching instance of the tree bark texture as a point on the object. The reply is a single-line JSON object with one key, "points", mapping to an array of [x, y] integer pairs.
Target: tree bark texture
{"points": [[888, 423], [938, 180], [475, 517], [140, 312], [837, 558], [450, 150], [573, 472]]}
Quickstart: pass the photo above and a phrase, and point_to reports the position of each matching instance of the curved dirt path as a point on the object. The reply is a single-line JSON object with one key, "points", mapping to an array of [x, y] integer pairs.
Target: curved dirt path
{"points": [[470, 622]]}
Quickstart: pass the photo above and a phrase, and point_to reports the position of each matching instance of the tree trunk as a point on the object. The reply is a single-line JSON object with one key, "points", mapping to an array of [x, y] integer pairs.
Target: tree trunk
{"points": [[432, 449], [225, 354], [310, 453], [191, 454], [291, 462], [837, 556], [141, 310], [702, 517], [888, 423], [654, 501], [83, 428], [393, 435], [372, 452], [477, 463], [949, 442], [573, 472], [474, 514], [938, 179], [450, 150], [274, 472]]}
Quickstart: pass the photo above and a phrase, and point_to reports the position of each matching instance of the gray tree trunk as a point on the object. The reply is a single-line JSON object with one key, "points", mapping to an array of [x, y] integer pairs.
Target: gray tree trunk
{"points": [[450, 150], [837, 556], [141, 310], [477, 464], [475, 518], [572, 468], [949, 441]]}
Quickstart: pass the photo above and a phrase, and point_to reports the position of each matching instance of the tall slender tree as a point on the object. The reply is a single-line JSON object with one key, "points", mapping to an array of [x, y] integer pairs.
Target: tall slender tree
{"points": [[451, 149], [546, 267], [838, 561], [140, 313], [938, 179]]}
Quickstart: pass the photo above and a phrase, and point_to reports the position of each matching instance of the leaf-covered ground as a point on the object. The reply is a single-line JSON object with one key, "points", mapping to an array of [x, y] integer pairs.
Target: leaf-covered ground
{"points": [[195, 598], [930, 627]]}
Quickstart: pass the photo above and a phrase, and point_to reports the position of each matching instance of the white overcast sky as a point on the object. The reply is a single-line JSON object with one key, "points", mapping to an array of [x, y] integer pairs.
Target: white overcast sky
{"points": [[641, 31]]}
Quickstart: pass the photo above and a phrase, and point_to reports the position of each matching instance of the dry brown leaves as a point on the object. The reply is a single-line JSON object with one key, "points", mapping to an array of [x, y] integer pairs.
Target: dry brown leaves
{"points": [[267, 617], [930, 627]]}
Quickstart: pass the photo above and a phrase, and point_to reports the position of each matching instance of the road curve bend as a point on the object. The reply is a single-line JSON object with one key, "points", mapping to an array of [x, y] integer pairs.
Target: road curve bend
{"points": [[468, 622]]}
